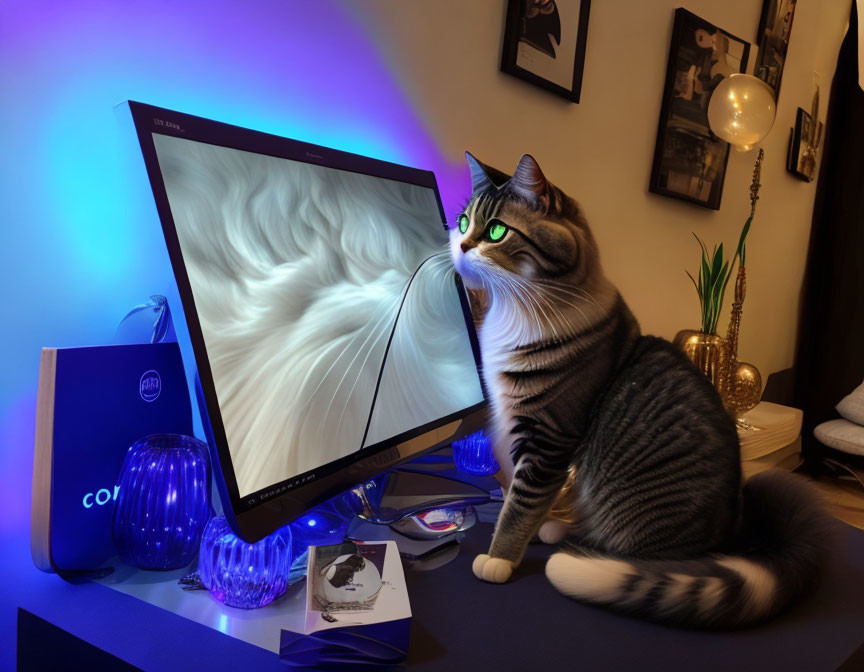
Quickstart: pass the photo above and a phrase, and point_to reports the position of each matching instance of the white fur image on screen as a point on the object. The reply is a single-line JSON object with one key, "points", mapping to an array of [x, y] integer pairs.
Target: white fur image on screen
{"points": [[298, 273]]}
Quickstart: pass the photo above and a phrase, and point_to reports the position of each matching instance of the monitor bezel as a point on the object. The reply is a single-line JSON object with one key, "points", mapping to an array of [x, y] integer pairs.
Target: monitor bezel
{"points": [[255, 515]]}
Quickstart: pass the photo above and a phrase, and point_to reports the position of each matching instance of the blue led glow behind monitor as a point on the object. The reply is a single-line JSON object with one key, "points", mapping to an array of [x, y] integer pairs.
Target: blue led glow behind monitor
{"points": [[332, 337]]}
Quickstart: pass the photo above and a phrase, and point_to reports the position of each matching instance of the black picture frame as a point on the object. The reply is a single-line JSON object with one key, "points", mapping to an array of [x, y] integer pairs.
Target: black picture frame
{"points": [[804, 141], [530, 52], [775, 31], [689, 160]]}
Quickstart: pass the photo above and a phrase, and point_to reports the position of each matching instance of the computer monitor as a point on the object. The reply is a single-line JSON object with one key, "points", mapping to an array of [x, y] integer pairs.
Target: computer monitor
{"points": [[331, 336]]}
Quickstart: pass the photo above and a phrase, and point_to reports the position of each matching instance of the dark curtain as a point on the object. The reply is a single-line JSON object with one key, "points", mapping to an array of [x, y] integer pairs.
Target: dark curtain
{"points": [[829, 361]]}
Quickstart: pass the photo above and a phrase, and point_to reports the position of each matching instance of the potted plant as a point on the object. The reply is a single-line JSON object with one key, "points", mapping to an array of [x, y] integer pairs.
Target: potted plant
{"points": [[738, 383]]}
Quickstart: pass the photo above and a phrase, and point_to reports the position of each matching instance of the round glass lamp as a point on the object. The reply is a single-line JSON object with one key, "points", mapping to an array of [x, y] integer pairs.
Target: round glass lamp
{"points": [[741, 110], [240, 574], [163, 501]]}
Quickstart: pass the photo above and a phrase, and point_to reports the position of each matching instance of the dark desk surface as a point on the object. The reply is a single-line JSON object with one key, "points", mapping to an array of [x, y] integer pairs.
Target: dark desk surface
{"points": [[461, 623]]}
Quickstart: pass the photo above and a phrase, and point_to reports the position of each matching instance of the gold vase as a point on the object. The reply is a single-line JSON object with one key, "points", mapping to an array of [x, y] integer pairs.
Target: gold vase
{"points": [[710, 353]]}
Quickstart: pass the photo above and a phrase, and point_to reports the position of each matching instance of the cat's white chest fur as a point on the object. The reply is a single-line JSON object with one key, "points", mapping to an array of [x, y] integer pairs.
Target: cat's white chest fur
{"points": [[503, 330]]}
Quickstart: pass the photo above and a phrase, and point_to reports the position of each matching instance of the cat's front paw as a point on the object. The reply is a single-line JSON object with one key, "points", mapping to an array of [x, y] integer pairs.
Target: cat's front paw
{"points": [[493, 570]]}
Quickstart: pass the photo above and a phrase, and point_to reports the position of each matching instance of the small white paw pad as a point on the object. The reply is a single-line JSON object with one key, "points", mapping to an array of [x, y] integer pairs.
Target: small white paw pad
{"points": [[493, 570]]}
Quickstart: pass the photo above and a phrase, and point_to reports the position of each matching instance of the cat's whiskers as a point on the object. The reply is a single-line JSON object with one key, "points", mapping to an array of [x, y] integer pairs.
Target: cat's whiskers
{"points": [[360, 371], [586, 320], [552, 302], [564, 286], [523, 290], [581, 295], [388, 310], [436, 262], [510, 320], [542, 301], [535, 298], [517, 293], [534, 301], [557, 310], [513, 289], [569, 289], [345, 350]]}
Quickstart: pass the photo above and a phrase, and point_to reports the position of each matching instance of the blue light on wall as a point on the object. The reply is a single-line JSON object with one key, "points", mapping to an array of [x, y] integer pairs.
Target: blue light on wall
{"points": [[80, 235], [80, 241]]}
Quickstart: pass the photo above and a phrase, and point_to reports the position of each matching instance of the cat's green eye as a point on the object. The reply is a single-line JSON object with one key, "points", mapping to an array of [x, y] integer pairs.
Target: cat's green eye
{"points": [[496, 232], [463, 223]]}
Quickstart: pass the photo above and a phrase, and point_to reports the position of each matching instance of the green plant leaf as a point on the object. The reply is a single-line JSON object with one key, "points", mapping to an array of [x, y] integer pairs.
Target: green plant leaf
{"points": [[739, 252], [719, 291], [717, 262], [713, 277], [698, 291], [710, 286]]}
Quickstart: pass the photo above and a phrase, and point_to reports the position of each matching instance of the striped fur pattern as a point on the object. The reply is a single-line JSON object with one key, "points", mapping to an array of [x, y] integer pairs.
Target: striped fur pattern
{"points": [[664, 529]]}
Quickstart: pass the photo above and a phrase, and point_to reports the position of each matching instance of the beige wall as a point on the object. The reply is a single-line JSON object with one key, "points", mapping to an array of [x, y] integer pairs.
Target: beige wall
{"points": [[446, 54]]}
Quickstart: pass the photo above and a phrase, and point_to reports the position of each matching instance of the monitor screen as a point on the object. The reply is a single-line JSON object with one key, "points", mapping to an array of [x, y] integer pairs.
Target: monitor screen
{"points": [[331, 321]]}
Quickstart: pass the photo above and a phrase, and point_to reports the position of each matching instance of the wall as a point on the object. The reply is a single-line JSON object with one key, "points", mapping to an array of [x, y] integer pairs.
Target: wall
{"points": [[412, 82], [601, 150]]}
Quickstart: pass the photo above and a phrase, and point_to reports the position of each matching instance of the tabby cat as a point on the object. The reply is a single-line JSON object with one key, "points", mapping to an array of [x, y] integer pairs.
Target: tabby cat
{"points": [[664, 528]]}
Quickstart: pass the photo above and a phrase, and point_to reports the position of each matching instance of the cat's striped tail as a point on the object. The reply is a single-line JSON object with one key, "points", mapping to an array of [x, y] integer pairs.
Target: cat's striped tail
{"points": [[785, 537]]}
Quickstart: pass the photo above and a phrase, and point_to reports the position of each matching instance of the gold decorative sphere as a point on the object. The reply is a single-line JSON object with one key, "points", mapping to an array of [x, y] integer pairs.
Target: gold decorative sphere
{"points": [[745, 389]]}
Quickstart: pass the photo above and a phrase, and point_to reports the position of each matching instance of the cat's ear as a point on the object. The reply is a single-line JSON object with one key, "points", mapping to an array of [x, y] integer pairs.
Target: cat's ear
{"points": [[479, 179], [529, 182]]}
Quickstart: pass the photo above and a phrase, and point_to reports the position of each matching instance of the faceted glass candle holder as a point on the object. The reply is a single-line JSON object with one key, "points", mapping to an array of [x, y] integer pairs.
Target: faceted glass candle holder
{"points": [[240, 574], [473, 455], [163, 501]]}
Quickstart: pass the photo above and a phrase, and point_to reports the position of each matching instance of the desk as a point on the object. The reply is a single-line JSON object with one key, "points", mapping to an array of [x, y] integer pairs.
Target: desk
{"points": [[527, 625], [461, 623]]}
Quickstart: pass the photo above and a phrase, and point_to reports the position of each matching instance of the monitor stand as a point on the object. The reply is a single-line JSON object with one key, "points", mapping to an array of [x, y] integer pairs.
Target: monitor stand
{"points": [[428, 483]]}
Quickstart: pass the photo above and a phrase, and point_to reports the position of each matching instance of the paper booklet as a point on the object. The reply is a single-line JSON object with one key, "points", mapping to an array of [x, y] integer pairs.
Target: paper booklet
{"points": [[357, 608]]}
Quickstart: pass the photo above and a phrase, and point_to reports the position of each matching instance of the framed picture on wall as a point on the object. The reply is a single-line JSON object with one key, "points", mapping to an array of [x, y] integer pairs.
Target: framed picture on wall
{"points": [[804, 145], [775, 28], [544, 43], [689, 160]]}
